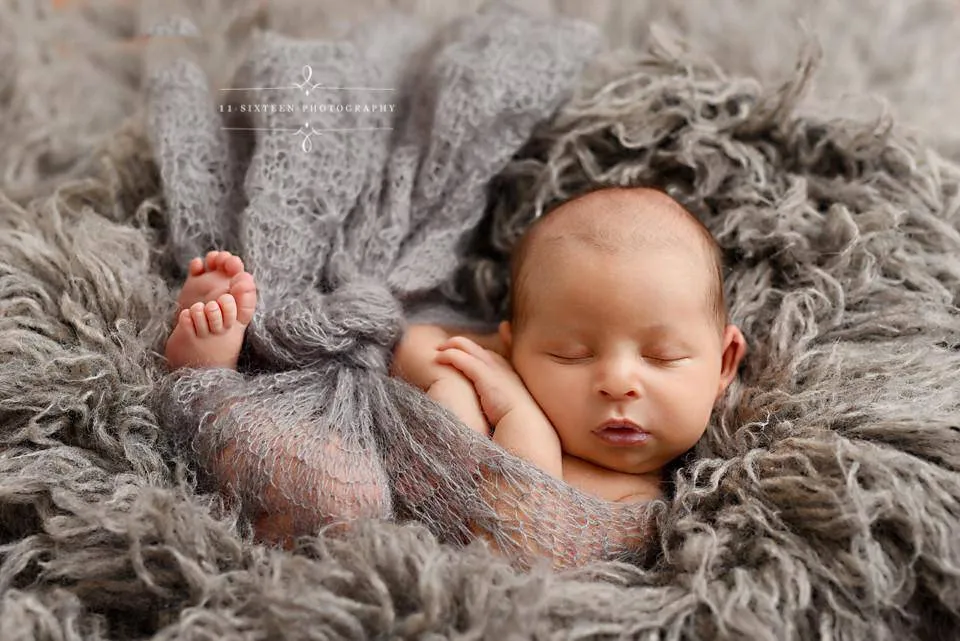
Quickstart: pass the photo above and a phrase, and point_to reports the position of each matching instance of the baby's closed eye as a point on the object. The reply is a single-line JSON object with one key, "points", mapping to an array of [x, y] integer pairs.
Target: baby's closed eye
{"points": [[665, 354], [569, 355], [662, 356], [675, 360]]}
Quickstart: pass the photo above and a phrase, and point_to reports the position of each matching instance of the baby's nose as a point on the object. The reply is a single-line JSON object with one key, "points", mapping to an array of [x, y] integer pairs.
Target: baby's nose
{"points": [[621, 391], [620, 379]]}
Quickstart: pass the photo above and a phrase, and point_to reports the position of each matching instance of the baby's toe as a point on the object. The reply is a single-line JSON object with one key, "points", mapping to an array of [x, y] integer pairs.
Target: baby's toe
{"points": [[244, 290], [231, 265], [211, 260], [199, 316], [195, 268], [228, 310], [185, 322], [214, 317]]}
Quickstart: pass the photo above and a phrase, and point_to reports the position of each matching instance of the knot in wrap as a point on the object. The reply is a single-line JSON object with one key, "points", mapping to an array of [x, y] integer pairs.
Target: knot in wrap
{"points": [[358, 324]]}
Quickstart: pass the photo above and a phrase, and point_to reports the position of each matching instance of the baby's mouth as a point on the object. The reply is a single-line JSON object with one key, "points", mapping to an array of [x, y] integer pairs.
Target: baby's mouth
{"points": [[622, 432]]}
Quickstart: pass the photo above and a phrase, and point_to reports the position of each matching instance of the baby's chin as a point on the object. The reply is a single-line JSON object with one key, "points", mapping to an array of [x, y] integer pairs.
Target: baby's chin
{"points": [[648, 459], [622, 464]]}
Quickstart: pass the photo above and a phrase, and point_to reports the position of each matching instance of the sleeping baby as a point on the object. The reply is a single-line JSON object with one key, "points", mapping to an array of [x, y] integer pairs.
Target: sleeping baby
{"points": [[616, 350]]}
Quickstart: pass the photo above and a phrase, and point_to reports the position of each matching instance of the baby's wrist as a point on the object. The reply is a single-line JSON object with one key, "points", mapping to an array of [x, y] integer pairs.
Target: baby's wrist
{"points": [[526, 413]]}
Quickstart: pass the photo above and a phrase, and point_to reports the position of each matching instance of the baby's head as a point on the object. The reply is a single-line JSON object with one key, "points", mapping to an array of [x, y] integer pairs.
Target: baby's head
{"points": [[617, 312]]}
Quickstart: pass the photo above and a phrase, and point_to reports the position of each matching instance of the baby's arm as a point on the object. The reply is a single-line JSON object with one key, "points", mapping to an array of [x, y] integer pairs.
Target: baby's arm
{"points": [[415, 361], [520, 425], [527, 433], [455, 392]]}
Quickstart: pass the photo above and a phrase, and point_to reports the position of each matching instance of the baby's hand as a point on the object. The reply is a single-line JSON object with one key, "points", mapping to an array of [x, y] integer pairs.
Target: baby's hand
{"points": [[498, 385]]}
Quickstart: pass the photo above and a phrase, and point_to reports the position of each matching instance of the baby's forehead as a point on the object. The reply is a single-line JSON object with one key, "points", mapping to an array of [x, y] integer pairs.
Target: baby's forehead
{"points": [[614, 213], [615, 220]]}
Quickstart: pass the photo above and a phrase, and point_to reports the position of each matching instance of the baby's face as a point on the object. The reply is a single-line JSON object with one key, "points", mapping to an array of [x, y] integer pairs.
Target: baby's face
{"points": [[621, 336]]}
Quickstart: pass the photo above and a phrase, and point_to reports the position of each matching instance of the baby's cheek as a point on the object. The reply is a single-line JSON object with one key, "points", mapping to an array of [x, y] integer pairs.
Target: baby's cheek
{"points": [[691, 409], [558, 393]]}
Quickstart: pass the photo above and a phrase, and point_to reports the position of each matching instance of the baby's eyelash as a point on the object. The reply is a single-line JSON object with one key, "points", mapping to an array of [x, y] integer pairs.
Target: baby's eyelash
{"points": [[568, 358], [668, 360], [657, 359]]}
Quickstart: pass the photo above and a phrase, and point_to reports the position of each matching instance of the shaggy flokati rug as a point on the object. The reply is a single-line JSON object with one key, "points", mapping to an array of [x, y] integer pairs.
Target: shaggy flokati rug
{"points": [[823, 502]]}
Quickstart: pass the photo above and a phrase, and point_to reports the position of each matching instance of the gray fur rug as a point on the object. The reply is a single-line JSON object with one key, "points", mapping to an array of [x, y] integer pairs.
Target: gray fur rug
{"points": [[824, 501]]}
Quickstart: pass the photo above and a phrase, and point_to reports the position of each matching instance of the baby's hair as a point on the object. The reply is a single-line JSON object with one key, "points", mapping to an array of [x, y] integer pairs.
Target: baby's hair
{"points": [[519, 276]]}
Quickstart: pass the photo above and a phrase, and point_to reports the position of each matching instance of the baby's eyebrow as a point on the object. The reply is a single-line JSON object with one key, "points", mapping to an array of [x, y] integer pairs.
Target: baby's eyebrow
{"points": [[667, 331], [660, 329]]}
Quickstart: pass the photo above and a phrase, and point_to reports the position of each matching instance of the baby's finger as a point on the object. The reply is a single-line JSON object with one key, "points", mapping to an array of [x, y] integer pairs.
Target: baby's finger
{"points": [[468, 346], [471, 366], [461, 342], [491, 358]]}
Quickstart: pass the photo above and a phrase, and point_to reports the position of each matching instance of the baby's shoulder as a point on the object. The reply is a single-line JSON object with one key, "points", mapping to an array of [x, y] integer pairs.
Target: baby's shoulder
{"points": [[610, 485]]}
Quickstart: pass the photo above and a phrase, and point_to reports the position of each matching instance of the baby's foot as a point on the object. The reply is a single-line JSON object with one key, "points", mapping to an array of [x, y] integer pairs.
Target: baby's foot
{"points": [[215, 306]]}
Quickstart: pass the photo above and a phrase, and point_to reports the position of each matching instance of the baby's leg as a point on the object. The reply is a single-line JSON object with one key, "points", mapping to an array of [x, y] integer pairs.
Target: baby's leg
{"points": [[295, 480], [273, 447], [215, 306], [292, 475]]}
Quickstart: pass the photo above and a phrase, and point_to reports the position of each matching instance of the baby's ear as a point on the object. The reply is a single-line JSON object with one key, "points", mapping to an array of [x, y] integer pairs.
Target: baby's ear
{"points": [[506, 335], [734, 349]]}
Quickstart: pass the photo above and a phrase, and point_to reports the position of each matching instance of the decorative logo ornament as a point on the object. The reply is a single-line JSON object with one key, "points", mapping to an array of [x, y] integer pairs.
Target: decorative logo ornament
{"points": [[306, 85]]}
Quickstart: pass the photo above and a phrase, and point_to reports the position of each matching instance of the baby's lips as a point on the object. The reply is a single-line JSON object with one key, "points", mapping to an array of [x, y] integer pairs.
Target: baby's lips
{"points": [[623, 436], [622, 423]]}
